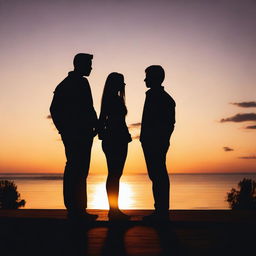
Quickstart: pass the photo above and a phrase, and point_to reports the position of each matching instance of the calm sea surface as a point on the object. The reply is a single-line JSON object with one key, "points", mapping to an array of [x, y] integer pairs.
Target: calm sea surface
{"points": [[188, 191]]}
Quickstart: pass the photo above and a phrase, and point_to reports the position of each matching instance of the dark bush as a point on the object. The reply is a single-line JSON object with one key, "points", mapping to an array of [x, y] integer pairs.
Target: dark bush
{"points": [[245, 197], [9, 196]]}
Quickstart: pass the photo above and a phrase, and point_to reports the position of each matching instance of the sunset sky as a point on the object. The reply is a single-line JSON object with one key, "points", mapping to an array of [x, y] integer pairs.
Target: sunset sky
{"points": [[207, 49]]}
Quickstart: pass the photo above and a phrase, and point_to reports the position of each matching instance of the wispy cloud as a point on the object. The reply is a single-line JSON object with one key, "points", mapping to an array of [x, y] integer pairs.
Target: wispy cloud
{"points": [[135, 125], [240, 118], [245, 104], [247, 157], [228, 149], [250, 127], [134, 130]]}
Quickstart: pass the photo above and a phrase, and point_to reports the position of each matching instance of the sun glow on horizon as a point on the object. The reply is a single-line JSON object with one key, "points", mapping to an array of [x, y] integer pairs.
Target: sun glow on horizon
{"points": [[100, 200]]}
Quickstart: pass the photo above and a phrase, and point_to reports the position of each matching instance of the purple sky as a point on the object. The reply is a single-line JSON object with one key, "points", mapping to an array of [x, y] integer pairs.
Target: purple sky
{"points": [[206, 47]]}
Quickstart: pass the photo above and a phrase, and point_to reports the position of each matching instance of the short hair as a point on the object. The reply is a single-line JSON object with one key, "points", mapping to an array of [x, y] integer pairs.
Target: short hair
{"points": [[157, 71], [82, 57]]}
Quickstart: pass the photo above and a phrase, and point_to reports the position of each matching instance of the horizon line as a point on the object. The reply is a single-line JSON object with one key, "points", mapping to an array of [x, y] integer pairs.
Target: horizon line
{"points": [[139, 173]]}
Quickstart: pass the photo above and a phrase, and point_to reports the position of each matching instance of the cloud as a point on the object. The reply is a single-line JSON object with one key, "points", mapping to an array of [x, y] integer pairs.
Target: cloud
{"points": [[49, 117], [133, 129], [247, 157], [135, 125], [240, 118], [228, 149], [246, 104], [250, 127]]}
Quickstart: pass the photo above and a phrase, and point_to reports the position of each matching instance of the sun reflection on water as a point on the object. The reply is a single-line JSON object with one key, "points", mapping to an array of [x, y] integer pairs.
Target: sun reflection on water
{"points": [[99, 198]]}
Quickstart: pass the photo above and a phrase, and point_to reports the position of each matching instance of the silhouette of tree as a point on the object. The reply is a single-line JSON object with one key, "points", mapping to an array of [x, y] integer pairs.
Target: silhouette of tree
{"points": [[9, 196], [245, 197]]}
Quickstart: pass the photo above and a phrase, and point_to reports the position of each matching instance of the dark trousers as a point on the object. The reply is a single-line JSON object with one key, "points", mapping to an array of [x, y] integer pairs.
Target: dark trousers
{"points": [[78, 154], [155, 156], [116, 153]]}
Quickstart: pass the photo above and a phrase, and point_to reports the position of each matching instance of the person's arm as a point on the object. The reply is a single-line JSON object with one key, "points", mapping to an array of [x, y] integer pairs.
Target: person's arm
{"points": [[102, 123], [57, 110], [93, 113], [166, 120], [86, 110]]}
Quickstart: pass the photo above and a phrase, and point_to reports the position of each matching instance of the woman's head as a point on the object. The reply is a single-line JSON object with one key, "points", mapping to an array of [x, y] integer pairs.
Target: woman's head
{"points": [[114, 86]]}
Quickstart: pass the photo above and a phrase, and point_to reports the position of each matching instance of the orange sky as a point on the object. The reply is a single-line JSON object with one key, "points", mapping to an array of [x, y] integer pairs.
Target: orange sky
{"points": [[207, 51]]}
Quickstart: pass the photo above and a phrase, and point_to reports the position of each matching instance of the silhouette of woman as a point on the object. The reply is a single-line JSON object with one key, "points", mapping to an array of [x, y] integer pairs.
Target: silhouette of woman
{"points": [[115, 137]]}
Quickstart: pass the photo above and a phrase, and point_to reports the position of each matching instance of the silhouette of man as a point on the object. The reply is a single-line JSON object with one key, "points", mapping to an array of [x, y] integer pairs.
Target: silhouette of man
{"points": [[157, 125], [74, 116]]}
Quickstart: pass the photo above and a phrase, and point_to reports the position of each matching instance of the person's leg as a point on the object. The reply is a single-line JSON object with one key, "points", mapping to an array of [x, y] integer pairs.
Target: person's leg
{"points": [[78, 152], [116, 155], [161, 183], [155, 157], [85, 158], [68, 177]]}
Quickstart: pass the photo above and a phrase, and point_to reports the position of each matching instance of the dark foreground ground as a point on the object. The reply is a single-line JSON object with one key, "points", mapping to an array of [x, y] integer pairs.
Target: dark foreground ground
{"points": [[48, 232]]}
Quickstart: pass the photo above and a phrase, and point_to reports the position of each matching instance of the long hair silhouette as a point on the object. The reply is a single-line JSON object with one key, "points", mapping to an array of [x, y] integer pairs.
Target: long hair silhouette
{"points": [[114, 85]]}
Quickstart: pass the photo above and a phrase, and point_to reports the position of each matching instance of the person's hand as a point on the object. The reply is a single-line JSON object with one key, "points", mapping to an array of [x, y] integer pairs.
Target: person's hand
{"points": [[95, 132]]}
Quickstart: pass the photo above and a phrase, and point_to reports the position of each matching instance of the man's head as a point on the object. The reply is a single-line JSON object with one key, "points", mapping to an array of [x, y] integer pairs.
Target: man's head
{"points": [[154, 76], [83, 63]]}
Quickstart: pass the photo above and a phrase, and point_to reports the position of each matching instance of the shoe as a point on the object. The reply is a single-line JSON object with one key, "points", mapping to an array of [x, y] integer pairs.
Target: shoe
{"points": [[117, 215], [82, 216], [91, 217], [156, 217]]}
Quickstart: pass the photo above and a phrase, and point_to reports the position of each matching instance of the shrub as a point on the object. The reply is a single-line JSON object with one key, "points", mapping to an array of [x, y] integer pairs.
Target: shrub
{"points": [[245, 197], [9, 196]]}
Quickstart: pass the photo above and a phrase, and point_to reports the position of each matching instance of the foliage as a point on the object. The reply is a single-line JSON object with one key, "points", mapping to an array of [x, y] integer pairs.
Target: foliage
{"points": [[245, 197], [9, 196]]}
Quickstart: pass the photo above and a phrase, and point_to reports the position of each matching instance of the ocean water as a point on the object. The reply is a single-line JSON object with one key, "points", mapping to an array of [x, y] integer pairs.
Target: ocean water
{"points": [[188, 191]]}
